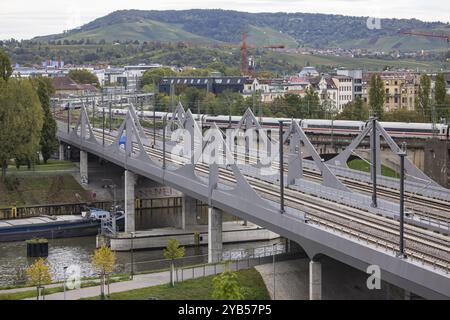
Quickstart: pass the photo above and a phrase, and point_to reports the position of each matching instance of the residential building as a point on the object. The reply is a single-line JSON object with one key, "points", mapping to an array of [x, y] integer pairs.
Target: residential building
{"points": [[328, 94], [401, 89], [344, 85], [65, 86], [309, 72], [356, 76]]}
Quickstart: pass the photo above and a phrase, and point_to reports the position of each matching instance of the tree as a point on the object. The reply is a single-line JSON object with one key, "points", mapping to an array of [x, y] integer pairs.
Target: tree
{"points": [[84, 77], [355, 110], [311, 103], [48, 141], [152, 76], [21, 120], [104, 259], [191, 72], [39, 274], [5, 66], [423, 98], [226, 286], [173, 251], [377, 95], [440, 96]]}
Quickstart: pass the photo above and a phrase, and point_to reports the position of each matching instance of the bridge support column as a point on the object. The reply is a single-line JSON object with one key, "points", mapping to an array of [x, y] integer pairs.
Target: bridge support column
{"points": [[130, 181], [188, 211], [214, 235], [315, 280], [61, 151], [84, 167]]}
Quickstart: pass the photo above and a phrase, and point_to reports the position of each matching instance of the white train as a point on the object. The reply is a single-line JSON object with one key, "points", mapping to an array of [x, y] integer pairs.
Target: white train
{"points": [[316, 126]]}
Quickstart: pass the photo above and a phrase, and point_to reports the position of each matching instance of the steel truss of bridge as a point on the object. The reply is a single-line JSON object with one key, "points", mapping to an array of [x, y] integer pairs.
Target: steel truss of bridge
{"points": [[326, 218]]}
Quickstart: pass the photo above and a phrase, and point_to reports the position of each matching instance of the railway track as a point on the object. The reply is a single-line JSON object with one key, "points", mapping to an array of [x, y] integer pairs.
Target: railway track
{"points": [[417, 204], [423, 245]]}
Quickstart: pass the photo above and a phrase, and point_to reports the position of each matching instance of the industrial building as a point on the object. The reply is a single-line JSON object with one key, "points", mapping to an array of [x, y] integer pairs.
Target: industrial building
{"points": [[214, 85]]}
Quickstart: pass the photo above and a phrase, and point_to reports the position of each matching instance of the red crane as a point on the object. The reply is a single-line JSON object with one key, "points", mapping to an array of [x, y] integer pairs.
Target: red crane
{"points": [[428, 34], [244, 65], [244, 47]]}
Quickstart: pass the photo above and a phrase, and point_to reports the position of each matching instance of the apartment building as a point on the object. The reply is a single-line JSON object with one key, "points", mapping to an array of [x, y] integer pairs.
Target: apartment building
{"points": [[344, 85], [401, 90], [357, 76]]}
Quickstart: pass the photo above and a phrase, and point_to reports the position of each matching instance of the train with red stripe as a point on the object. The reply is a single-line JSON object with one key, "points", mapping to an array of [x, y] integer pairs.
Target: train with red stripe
{"points": [[318, 126]]}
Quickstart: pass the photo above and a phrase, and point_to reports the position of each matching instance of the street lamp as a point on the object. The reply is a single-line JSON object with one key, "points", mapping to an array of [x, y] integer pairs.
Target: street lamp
{"points": [[273, 255], [281, 160], [402, 154], [132, 255]]}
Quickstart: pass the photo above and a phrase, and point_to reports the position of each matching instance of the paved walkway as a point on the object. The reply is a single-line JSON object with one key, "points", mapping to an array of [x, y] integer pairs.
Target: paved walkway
{"points": [[292, 279], [138, 282]]}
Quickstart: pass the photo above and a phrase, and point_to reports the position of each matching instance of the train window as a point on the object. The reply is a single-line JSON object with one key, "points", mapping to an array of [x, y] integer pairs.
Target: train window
{"points": [[334, 126], [409, 130]]}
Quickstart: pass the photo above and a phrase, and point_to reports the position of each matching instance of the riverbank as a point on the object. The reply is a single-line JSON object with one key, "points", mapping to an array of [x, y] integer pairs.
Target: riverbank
{"points": [[43, 187]]}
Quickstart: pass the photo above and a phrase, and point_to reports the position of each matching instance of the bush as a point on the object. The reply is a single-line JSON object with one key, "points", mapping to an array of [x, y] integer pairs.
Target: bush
{"points": [[11, 183]]}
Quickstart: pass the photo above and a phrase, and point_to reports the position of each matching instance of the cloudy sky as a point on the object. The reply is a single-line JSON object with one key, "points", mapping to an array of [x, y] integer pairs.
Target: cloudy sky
{"points": [[25, 19]]}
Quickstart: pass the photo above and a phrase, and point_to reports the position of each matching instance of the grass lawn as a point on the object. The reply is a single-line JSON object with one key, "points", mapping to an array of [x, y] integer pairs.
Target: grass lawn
{"points": [[32, 293], [27, 294], [23, 190], [362, 165], [251, 282], [51, 165]]}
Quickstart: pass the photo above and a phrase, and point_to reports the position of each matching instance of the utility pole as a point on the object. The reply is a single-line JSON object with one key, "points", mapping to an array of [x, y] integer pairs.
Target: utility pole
{"points": [[164, 143], [402, 155], [68, 118], [273, 254], [103, 127], [374, 161], [110, 116]]}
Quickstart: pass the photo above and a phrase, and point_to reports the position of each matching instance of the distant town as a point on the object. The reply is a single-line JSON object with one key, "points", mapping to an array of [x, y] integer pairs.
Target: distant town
{"points": [[336, 90]]}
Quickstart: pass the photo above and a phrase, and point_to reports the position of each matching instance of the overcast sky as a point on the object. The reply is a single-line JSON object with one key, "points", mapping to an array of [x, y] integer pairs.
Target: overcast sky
{"points": [[25, 19]]}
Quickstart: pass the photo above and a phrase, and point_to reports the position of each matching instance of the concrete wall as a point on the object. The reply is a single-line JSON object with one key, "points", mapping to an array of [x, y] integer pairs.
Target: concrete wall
{"points": [[437, 161], [188, 239]]}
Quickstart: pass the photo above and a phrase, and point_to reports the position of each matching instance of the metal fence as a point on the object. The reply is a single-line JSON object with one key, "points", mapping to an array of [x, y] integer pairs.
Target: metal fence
{"points": [[197, 265]]}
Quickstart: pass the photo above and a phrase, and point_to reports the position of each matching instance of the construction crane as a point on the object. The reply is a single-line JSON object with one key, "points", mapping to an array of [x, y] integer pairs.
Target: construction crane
{"points": [[428, 34], [244, 47]]}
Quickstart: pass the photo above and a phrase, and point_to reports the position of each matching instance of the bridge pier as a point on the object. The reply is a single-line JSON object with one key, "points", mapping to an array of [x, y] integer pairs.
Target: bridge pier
{"points": [[130, 181], [61, 151], [84, 178], [214, 235], [315, 280], [188, 212]]}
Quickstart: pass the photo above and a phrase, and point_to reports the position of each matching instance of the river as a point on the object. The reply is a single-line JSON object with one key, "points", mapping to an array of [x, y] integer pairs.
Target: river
{"points": [[79, 251]]}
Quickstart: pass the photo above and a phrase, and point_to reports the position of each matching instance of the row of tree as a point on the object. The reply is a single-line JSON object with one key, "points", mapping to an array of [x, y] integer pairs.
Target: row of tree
{"points": [[429, 106], [27, 127], [226, 285]]}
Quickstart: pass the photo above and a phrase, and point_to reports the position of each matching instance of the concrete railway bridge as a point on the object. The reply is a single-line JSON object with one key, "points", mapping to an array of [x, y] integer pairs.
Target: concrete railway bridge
{"points": [[312, 202]]}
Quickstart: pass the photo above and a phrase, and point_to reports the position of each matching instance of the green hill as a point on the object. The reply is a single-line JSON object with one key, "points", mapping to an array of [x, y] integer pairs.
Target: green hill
{"points": [[290, 29], [141, 30]]}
